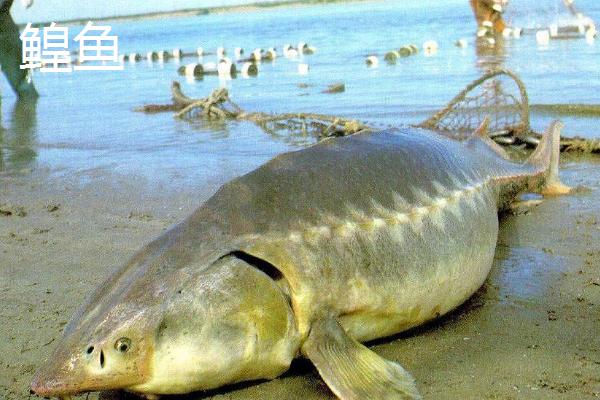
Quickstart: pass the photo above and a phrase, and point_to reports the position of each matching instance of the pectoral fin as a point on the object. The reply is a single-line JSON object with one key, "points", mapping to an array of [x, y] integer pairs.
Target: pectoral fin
{"points": [[351, 370]]}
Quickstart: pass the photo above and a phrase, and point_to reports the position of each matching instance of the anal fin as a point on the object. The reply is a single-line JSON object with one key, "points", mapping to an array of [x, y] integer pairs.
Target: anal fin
{"points": [[351, 370]]}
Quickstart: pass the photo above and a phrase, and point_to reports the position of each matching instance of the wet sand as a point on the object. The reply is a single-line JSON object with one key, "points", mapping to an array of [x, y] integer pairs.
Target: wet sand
{"points": [[530, 333]]}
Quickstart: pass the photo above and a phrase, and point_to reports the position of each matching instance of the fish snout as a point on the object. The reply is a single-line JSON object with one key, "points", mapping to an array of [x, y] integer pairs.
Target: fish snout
{"points": [[43, 387], [61, 376]]}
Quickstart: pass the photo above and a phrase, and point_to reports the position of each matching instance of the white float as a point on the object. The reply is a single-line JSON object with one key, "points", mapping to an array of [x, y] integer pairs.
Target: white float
{"points": [[543, 37], [372, 61], [194, 70], [430, 47], [590, 34], [271, 54], [249, 69], [462, 43], [290, 52], [257, 54], [303, 69], [226, 69]]}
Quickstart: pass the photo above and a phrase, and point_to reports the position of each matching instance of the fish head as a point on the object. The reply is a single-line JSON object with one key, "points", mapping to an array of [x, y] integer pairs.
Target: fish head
{"points": [[228, 323], [110, 351]]}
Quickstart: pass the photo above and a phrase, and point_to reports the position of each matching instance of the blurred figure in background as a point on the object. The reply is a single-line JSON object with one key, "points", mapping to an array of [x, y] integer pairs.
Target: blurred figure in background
{"points": [[10, 52], [488, 14]]}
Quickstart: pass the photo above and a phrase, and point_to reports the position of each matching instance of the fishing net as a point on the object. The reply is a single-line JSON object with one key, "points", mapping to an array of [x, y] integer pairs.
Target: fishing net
{"points": [[499, 95], [565, 15], [297, 128]]}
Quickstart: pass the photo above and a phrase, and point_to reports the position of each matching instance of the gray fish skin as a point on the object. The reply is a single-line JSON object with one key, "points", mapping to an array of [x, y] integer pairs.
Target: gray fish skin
{"points": [[379, 231]]}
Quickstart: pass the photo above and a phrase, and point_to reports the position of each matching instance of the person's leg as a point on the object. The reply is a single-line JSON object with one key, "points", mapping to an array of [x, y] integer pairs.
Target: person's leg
{"points": [[10, 54], [484, 10]]}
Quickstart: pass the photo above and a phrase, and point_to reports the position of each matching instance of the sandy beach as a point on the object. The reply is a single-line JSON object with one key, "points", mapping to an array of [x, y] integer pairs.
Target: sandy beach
{"points": [[530, 333]]}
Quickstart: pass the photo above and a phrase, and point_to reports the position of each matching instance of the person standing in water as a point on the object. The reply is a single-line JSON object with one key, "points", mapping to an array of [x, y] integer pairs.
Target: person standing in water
{"points": [[488, 14], [11, 53]]}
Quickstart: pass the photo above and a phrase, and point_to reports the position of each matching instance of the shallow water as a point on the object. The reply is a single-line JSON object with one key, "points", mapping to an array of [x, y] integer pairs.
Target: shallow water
{"points": [[84, 120]]}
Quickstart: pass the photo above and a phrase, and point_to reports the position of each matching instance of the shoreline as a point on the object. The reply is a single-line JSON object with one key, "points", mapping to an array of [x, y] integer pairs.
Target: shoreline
{"points": [[200, 11]]}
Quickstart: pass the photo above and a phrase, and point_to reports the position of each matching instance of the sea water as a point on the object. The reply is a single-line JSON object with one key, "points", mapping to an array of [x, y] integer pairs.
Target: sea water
{"points": [[84, 121]]}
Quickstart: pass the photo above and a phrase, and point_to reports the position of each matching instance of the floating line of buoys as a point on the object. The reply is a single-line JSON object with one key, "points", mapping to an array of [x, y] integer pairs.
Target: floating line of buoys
{"points": [[258, 55], [152, 56], [224, 68], [134, 57], [391, 57], [404, 51], [249, 69], [194, 70]]}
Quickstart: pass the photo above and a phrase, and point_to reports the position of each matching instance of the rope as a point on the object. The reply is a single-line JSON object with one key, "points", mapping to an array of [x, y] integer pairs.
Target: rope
{"points": [[484, 97], [218, 105]]}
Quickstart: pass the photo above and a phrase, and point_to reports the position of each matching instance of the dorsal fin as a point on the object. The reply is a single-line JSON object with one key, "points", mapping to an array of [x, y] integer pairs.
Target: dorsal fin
{"points": [[482, 131], [481, 135]]}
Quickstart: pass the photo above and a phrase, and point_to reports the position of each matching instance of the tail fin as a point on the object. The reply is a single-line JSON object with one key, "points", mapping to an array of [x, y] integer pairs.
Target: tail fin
{"points": [[546, 157]]}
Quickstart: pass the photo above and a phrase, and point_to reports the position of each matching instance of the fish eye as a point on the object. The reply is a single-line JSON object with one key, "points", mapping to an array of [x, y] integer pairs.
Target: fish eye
{"points": [[123, 345], [90, 350]]}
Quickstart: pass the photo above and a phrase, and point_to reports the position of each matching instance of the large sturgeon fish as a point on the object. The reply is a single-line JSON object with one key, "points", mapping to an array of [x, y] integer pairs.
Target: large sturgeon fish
{"points": [[352, 239]]}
